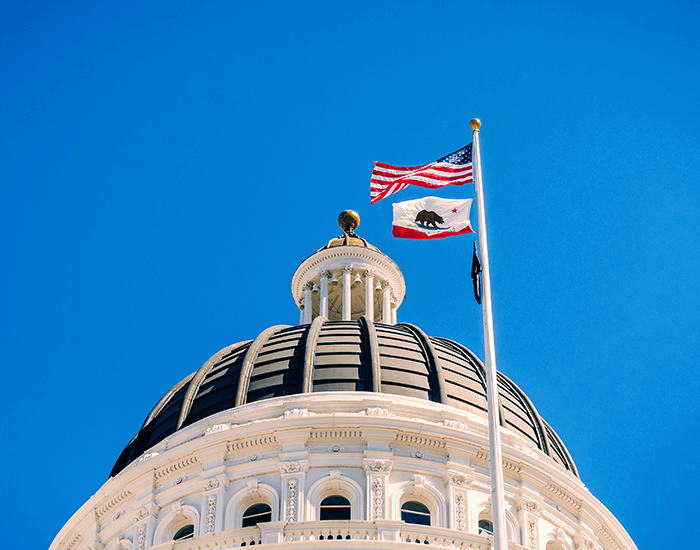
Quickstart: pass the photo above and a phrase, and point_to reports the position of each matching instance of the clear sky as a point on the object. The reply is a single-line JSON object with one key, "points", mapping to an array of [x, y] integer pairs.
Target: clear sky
{"points": [[165, 166]]}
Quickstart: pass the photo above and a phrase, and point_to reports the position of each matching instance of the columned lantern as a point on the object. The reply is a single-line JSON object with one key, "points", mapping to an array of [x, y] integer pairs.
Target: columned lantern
{"points": [[348, 279], [347, 431]]}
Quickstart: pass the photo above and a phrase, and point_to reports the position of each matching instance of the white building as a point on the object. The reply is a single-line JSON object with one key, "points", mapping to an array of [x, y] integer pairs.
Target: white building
{"points": [[347, 431]]}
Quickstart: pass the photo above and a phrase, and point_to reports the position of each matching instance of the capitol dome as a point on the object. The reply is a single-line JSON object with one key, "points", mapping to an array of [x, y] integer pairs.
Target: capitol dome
{"points": [[350, 430], [354, 356]]}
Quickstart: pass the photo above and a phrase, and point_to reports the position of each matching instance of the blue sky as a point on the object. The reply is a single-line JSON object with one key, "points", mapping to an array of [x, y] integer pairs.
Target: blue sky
{"points": [[165, 166]]}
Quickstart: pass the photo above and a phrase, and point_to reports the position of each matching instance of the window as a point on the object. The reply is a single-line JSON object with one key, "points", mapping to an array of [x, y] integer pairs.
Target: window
{"points": [[485, 527], [186, 532], [335, 507], [257, 513], [415, 512]]}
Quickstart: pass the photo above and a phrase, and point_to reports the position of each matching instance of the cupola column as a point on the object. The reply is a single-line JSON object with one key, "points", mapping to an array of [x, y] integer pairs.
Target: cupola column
{"points": [[347, 289], [369, 295], [307, 303], [386, 301], [323, 305]]}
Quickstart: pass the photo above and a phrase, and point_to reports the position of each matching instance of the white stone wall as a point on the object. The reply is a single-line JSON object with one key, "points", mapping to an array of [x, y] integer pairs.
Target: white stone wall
{"points": [[376, 450]]}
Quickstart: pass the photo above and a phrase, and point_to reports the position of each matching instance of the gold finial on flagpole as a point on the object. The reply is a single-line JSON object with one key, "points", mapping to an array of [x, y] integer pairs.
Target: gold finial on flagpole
{"points": [[475, 124]]}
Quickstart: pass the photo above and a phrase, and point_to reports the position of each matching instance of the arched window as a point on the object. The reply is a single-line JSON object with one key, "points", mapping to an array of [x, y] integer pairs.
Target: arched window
{"points": [[186, 532], [415, 512], [335, 507], [257, 513], [485, 527]]}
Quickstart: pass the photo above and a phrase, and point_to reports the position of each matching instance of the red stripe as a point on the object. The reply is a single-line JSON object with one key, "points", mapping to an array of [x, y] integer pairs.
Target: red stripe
{"points": [[428, 175], [408, 233]]}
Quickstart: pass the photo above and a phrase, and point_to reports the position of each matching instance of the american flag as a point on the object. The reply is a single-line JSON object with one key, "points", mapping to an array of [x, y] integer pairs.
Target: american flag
{"points": [[454, 169]]}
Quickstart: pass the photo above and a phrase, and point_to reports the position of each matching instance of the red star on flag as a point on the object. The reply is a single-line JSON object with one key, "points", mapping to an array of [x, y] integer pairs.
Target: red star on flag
{"points": [[454, 210]]}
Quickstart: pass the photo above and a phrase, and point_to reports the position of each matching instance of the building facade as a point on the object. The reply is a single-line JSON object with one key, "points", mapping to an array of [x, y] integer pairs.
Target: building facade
{"points": [[350, 430]]}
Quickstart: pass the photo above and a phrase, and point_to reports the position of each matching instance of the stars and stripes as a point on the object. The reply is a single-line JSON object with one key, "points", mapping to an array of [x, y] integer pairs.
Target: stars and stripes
{"points": [[453, 169]]}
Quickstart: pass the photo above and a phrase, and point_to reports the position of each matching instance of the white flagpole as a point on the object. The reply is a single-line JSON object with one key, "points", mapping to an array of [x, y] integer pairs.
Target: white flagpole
{"points": [[497, 493]]}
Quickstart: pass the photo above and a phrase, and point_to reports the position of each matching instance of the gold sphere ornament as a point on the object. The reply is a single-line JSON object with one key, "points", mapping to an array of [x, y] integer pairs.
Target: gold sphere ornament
{"points": [[349, 220], [475, 124]]}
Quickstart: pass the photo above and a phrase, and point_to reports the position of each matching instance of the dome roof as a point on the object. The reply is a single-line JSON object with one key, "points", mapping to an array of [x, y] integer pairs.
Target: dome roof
{"points": [[355, 356]]}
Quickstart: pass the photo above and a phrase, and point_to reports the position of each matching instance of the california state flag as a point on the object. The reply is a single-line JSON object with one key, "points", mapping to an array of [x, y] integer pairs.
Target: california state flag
{"points": [[431, 218]]}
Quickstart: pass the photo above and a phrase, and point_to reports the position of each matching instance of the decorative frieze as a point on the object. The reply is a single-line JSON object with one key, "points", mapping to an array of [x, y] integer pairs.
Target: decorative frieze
{"points": [[99, 512], [246, 444], [336, 434], [563, 495], [460, 503], [141, 537], [531, 533], [377, 498], [73, 541], [175, 466], [605, 531], [292, 499], [211, 514], [417, 440]]}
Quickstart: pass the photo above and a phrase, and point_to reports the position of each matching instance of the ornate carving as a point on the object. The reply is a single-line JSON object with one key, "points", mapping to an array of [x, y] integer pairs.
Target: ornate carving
{"points": [[418, 481], [146, 457], [609, 536], [530, 506], [563, 495], [72, 542], [291, 467], [377, 411], [211, 513], [460, 511], [141, 514], [116, 500], [532, 533], [377, 498], [457, 425], [327, 274], [211, 483], [238, 445], [414, 440], [292, 497], [293, 413], [218, 428], [459, 479], [141, 538]]}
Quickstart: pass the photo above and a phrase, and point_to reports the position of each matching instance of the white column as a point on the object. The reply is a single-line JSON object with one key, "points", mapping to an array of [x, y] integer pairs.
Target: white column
{"points": [[393, 313], [323, 305], [307, 303], [369, 295], [347, 296], [386, 299]]}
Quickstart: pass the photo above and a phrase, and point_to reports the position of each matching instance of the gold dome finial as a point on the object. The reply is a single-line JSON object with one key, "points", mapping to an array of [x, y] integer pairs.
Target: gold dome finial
{"points": [[475, 124], [349, 220]]}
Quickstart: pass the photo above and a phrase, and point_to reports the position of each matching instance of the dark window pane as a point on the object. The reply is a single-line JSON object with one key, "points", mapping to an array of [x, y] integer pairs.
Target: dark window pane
{"points": [[335, 507], [415, 512], [187, 532], [485, 527], [258, 513]]}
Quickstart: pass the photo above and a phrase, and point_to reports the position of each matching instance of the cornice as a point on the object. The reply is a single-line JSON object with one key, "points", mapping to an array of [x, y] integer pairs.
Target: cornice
{"points": [[382, 265], [563, 495], [102, 510], [167, 470]]}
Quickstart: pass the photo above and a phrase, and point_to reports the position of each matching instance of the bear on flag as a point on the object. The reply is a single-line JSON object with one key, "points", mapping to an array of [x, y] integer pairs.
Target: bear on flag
{"points": [[431, 218]]}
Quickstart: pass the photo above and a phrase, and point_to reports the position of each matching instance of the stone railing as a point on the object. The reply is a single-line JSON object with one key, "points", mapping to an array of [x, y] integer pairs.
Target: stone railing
{"points": [[354, 534]]}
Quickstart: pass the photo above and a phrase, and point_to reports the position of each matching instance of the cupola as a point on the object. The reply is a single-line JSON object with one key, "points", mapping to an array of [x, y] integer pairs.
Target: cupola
{"points": [[348, 279]]}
